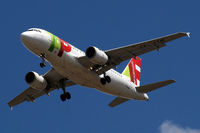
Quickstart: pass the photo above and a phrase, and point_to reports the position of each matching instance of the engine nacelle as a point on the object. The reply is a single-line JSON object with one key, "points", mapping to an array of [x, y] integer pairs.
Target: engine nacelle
{"points": [[35, 80], [96, 56]]}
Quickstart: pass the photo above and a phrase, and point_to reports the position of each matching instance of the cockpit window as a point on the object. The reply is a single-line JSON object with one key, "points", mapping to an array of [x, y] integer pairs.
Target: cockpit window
{"points": [[34, 30]]}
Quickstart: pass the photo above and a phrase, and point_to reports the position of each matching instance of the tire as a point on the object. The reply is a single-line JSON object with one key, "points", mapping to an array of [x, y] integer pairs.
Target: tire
{"points": [[103, 81], [68, 95], [108, 79], [42, 65], [63, 97]]}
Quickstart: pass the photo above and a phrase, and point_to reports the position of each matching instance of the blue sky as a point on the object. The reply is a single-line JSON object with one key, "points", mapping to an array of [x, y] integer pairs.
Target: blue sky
{"points": [[104, 24]]}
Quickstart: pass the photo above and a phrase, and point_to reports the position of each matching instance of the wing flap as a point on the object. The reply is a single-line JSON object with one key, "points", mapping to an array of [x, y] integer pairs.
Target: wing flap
{"points": [[139, 50], [153, 86], [117, 101], [27, 95]]}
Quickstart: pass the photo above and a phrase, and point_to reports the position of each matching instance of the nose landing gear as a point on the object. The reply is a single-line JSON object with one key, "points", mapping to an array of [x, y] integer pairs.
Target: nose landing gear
{"points": [[42, 64]]}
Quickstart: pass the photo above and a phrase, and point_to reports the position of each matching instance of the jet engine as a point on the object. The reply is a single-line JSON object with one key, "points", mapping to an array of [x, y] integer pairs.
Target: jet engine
{"points": [[35, 80], [96, 56]]}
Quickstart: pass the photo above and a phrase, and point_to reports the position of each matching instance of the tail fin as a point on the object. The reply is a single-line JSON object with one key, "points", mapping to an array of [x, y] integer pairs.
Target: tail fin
{"points": [[133, 70]]}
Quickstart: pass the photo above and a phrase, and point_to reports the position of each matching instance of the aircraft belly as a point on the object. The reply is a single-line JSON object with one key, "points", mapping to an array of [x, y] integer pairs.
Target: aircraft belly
{"points": [[68, 66], [84, 77]]}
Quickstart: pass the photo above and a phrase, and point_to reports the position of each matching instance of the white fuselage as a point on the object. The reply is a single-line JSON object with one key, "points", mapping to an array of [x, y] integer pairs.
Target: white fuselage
{"points": [[68, 66]]}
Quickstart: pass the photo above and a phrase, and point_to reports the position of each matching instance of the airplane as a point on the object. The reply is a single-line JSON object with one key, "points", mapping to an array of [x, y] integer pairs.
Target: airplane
{"points": [[93, 68]]}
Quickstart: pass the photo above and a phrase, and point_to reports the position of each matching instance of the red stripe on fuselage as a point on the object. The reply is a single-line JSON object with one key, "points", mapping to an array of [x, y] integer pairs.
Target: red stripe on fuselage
{"points": [[64, 47]]}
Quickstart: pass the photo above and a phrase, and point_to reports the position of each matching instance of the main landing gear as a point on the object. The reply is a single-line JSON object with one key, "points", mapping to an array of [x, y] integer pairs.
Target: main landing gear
{"points": [[65, 95], [105, 79], [42, 64]]}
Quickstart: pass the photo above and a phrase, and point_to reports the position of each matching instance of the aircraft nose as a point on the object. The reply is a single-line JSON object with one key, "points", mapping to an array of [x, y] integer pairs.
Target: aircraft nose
{"points": [[25, 37], [35, 41]]}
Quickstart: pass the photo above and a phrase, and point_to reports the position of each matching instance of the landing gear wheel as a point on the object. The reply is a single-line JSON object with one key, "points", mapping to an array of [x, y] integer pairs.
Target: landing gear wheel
{"points": [[67, 95], [108, 79], [42, 56], [103, 81], [42, 65], [63, 97]]}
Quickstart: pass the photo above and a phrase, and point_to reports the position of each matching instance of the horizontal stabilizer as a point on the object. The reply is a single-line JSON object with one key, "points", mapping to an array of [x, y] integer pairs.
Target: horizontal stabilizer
{"points": [[118, 101], [153, 86]]}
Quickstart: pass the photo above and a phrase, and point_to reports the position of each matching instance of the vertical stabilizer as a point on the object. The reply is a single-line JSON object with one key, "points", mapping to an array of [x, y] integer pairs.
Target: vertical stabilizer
{"points": [[133, 70]]}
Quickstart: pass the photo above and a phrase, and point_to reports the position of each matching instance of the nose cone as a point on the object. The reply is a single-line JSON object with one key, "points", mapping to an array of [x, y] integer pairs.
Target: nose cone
{"points": [[26, 37], [36, 42]]}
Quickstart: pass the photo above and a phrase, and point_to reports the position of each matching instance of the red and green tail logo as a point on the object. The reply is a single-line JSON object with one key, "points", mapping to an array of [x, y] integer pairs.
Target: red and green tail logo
{"points": [[133, 70]]}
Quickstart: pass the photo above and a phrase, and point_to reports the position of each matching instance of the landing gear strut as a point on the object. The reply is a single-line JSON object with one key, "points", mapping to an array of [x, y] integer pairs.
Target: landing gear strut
{"points": [[105, 79], [42, 64], [65, 95]]}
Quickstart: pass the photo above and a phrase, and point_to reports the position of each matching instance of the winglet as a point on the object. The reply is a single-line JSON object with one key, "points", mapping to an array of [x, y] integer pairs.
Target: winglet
{"points": [[188, 34], [11, 107]]}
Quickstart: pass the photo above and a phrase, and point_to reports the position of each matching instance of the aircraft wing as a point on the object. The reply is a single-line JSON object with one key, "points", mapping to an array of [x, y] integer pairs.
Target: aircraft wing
{"points": [[121, 54], [30, 94]]}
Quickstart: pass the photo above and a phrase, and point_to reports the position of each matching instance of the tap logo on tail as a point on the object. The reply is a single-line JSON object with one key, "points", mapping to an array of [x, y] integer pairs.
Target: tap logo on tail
{"points": [[133, 70]]}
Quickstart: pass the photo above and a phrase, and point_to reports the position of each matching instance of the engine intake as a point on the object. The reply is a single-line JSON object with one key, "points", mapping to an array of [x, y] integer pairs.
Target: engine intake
{"points": [[35, 80], [96, 56]]}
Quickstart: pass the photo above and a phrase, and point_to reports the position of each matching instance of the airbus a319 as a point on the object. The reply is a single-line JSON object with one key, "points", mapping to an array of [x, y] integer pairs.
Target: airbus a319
{"points": [[93, 68]]}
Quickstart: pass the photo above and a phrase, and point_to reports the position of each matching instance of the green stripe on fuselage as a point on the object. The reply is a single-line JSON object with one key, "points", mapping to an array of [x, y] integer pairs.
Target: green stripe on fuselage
{"points": [[55, 42]]}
